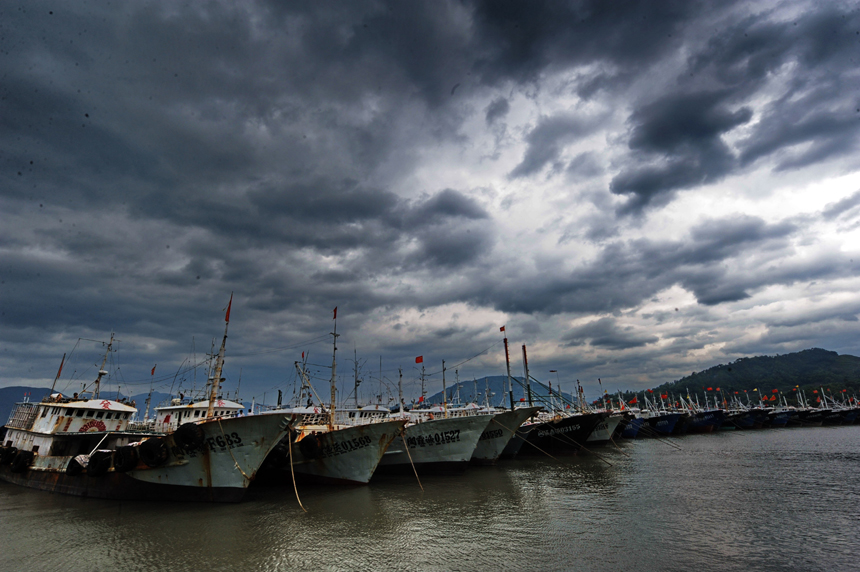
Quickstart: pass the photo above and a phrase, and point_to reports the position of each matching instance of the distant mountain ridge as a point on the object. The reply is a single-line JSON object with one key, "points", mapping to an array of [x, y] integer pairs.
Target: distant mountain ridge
{"points": [[808, 369]]}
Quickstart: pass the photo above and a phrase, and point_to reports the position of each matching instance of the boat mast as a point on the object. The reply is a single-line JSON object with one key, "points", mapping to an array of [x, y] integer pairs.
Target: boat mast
{"points": [[508, 364], [219, 364], [102, 371], [333, 371], [355, 366], [400, 389], [526, 371], [444, 391], [58, 373]]}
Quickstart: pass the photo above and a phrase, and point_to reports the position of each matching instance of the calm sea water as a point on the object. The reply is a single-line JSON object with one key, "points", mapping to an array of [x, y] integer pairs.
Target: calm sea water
{"points": [[783, 499]]}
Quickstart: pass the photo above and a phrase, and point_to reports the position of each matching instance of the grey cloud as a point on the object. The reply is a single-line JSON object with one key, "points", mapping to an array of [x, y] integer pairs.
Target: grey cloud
{"points": [[624, 274], [522, 40], [846, 208], [546, 141], [497, 109], [680, 136], [606, 333], [817, 107]]}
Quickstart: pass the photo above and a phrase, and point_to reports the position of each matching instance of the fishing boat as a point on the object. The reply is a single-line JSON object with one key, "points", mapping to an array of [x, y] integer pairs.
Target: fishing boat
{"points": [[605, 429], [86, 446], [499, 433], [632, 423], [438, 446], [345, 453], [331, 445]]}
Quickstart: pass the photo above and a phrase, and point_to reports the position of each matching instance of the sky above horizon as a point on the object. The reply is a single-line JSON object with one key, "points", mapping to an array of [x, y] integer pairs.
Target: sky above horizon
{"points": [[635, 190]]}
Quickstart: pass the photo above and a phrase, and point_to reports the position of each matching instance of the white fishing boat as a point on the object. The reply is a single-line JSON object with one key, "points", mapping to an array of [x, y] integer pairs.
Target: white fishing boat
{"points": [[433, 441], [344, 453], [329, 445], [85, 446], [498, 434]]}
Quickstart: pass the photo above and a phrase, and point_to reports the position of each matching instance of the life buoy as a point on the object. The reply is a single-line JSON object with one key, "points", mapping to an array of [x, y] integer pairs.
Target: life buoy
{"points": [[310, 447], [21, 461], [153, 452], [189, 436], [74, 467], [99, 463], [125, 459]]}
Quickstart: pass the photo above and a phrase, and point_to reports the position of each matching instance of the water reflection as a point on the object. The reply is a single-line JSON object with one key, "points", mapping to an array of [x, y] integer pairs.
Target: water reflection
{"points": [[767, 500]]}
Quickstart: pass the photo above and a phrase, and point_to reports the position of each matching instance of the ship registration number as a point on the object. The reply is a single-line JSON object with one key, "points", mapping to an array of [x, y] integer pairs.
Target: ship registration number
{"points": [[431, 439], [347, 446], [492, 434], [219, 443]]}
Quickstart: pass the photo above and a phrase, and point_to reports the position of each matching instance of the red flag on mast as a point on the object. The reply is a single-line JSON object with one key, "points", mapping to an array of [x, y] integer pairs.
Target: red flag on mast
{"points": [[153, 370], [502, 329], [419, 359], [227, 317], [335, 314]]}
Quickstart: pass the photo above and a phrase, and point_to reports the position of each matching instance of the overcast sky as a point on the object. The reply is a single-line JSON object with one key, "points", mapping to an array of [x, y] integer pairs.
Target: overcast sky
{"points": [[635, 190]]}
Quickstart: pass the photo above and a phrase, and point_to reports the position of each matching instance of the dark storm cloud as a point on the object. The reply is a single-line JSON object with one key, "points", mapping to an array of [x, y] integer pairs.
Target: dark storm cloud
{"points": [[521, 40], [171, 153], [679, 140], [606, 333], [818, 107]]}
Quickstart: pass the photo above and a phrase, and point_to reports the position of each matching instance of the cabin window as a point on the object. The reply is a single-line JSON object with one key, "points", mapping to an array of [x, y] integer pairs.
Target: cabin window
{"points": [[108, 415], [100, 414], [44, 412], [80, 413], [70, 412], [36, 449], [90, 413], [197, 414]]}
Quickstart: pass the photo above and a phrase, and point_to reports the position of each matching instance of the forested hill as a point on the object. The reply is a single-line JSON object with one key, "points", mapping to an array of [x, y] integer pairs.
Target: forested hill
{"points": [[809, 369]]}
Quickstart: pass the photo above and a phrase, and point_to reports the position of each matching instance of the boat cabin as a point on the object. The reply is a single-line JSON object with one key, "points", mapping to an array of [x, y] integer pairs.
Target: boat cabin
{"points": [[170, 417], [47, 424]]}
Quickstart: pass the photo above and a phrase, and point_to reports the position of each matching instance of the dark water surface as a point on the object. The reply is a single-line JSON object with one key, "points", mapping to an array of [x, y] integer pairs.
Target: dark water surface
{"points": [[784, 499]]}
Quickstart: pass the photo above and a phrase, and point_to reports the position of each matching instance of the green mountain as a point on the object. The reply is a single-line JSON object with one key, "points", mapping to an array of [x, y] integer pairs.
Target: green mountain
{"points": [[808, 369]]}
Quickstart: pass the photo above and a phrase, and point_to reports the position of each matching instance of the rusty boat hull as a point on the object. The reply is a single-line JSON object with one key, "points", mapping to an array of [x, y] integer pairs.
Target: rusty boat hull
{"points": [[220, 469], [345, 456]]}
